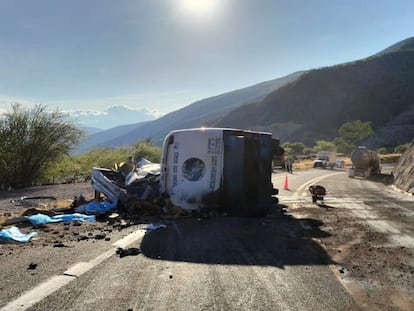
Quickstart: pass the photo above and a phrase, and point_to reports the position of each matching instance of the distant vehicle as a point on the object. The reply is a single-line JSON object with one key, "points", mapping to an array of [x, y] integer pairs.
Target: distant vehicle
{"points": [[340, 163], [278, 159], [325, 159], [365, 163]]}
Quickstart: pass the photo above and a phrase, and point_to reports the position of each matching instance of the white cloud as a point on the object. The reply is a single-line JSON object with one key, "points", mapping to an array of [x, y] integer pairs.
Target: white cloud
{"points": [[111, 116]]}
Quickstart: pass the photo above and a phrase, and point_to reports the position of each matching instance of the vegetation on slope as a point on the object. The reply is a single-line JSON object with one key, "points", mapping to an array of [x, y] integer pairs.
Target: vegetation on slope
{"points": [[377, 89], [30, 141]]}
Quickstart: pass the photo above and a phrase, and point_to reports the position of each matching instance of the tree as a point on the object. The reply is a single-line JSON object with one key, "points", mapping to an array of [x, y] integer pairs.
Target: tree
{"points": [[30, 141], [355, 132], [294, 148], [352, 134], [401, 148], [324, 145], [307, 151], [145, 149], [343, 147], [382, 150]]}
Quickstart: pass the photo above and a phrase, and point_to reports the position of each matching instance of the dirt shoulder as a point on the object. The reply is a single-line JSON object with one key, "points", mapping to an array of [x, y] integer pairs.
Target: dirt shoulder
{"points": [[17, 203], [371, 242]]}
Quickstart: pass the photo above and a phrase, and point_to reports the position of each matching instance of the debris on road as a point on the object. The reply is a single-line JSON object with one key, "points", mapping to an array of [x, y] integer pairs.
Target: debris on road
{"points": [[189, 181], [318, 193], [132, 251], [41, 219], [14, 234], [93, 208]]}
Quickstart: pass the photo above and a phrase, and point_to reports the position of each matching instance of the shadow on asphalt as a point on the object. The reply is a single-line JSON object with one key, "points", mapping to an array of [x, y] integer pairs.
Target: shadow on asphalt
{"points": [[277, 241], [386, 179], [325, 206]]}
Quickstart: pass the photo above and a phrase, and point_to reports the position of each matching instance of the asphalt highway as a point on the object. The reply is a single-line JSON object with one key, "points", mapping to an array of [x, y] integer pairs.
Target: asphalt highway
{"points": [[221, 263]]}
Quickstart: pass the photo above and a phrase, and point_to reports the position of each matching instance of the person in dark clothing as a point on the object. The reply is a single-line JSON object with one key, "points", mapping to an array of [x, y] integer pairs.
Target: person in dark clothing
{"points": [[289, 165]]}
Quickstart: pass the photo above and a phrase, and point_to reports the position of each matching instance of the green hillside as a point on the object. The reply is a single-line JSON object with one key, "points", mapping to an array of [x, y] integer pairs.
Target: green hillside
{"points": [[377, 89]]}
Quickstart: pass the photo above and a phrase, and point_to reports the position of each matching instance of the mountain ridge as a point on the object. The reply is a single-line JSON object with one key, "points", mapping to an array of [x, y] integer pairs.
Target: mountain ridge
{"points": [[314, 106], [307, 105], [193, 115]]}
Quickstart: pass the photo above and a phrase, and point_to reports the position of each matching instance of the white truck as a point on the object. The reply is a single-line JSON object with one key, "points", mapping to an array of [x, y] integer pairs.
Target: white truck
{"points": [[325, 159]]}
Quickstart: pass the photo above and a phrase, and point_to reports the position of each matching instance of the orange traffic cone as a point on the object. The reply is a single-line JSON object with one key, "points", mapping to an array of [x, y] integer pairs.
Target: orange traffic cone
{"points": [[286, 185]]}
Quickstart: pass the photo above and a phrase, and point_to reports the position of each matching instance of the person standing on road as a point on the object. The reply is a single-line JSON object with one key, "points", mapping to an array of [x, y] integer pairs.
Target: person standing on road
{"points": [[289, 164]]}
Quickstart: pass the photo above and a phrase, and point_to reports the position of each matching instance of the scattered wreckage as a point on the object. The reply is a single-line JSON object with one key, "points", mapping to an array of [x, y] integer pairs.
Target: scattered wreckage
{"points": [[207, 170], [203, 171]]}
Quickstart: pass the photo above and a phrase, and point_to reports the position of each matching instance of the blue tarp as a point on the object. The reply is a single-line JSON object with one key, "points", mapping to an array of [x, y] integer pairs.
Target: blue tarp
{"points": [[100, 207], [13, 234], [40, 219]]}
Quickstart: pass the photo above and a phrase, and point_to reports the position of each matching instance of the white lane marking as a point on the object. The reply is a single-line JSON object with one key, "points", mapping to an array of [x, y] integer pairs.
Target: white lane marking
{"points": [[130, 238], [38, 293], [312, 181], [46, 288], [362, 212], [82, 267]]}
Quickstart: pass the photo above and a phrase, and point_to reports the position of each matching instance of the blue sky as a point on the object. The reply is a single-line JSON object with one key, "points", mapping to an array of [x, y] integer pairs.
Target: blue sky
{"points": [[163, 55]]}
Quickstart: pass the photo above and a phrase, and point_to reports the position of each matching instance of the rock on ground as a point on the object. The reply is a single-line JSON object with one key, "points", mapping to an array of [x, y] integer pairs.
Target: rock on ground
{"points": [[404, 171]]}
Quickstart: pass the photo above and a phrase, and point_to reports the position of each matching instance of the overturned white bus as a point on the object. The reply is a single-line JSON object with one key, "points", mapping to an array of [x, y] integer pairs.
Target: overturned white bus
{"points": [[228, 169]]}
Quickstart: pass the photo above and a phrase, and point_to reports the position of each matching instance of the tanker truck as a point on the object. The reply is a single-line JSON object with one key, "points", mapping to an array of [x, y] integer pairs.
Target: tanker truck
{"points": [[365, 163]]}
